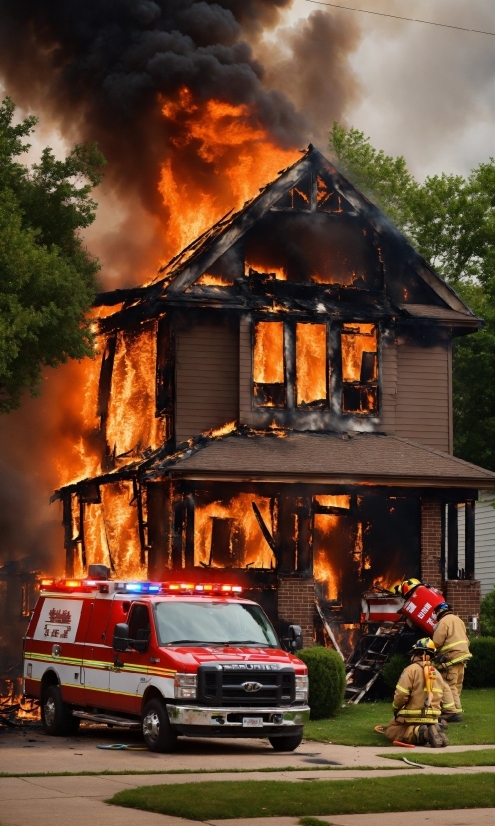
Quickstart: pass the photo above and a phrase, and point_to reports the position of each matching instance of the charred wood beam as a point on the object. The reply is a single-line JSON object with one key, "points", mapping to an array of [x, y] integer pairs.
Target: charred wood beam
{"points": [[264, 530], [469, 540], [110, 299], [304, 537], [286, 539], [189, 531], [178, 517], [68, 541], [165, 368]]}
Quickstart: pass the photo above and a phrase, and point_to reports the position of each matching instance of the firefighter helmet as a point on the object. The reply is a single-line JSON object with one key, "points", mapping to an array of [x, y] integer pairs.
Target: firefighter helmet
{"points": [[408, 585], [423, 646], [442, 608]]}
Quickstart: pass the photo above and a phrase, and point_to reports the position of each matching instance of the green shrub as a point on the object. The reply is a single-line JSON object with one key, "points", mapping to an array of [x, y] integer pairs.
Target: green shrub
{"points": [[480, 671], [487, 614], [326, 680], [393, 669]]}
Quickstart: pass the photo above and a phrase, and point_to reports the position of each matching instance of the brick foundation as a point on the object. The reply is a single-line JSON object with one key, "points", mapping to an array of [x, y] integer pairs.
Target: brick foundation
{"points": [[464, 596], [431, 542], [296, 604]]}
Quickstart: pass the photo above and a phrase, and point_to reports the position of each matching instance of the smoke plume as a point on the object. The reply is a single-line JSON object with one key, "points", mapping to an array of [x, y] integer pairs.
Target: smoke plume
{"points": [[193, 113]]}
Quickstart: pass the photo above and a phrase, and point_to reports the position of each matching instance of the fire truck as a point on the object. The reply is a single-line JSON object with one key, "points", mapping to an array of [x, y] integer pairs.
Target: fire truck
{"points": [[169, 658]]}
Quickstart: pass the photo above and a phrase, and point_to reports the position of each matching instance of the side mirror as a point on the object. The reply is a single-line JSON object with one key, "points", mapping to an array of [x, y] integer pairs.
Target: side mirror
{"points": [[120, 636], [294, 642]]}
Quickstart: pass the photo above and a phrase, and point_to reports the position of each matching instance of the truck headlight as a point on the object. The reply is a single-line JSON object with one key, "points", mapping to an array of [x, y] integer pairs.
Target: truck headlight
{"points": [[301, 688], [185, 686]]}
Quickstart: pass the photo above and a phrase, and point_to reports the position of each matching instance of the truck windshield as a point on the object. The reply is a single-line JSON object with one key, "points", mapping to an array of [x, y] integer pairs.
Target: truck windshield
{"points": [[213, 623]]}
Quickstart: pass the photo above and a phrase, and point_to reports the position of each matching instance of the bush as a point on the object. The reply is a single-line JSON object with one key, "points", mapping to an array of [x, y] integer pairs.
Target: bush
{"points": [[393, 669], [487, 614], [326, 680], [480, 671]]}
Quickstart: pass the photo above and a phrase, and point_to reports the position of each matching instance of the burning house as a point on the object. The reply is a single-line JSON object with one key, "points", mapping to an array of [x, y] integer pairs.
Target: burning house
{"points": [[278, 404]]}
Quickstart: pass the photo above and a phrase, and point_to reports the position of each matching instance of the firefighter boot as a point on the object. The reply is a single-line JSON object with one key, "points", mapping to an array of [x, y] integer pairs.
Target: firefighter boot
{"points": [[436, 737], [452, 718]]}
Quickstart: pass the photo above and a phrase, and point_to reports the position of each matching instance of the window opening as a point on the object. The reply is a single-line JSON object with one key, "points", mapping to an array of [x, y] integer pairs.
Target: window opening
{"points": [[139, 623], [268, 364], [359, 368], [311, 365]]}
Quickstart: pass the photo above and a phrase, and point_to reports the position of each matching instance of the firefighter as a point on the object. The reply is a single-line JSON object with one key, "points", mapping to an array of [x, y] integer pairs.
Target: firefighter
{"points": [[417, 701], [452, 644]]}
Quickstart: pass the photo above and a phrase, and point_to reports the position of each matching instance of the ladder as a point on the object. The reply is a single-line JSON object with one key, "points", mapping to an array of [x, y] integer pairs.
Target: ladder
{"points": [[364, 665]]}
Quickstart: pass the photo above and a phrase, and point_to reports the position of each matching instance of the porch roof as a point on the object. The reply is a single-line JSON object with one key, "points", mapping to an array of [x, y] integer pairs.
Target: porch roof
{"points": [[343, 458]]}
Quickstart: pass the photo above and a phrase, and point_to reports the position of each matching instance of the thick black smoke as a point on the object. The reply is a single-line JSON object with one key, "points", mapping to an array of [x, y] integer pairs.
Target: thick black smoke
{"points": [[101, 68]]}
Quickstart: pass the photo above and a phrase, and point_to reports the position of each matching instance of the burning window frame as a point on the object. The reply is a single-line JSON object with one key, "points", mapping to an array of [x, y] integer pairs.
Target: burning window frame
{"points": [[361, 397]]}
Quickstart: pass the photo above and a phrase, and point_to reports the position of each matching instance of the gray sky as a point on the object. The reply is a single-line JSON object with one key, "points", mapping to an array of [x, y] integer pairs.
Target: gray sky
{"points": [[425, 92]]}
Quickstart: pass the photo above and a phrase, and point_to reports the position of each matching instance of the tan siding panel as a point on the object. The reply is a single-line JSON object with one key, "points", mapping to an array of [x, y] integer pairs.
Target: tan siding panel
{"points": [[207, 371], [388, 386], [422, 411], [245, 372]]}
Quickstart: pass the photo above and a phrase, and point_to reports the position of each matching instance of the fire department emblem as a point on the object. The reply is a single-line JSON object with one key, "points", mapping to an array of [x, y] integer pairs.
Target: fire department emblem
{"points": [[251, 687], [59, 619]]}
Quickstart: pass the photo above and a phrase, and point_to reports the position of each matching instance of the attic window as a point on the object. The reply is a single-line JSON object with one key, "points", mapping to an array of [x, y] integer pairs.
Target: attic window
{"points": [[311, 365], [268, 364], [299, 197], [359, 368]]}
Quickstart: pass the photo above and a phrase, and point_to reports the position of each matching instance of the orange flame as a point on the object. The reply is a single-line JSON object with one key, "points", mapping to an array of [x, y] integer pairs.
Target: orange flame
{"points": [[268, 357], [311, 363], [228, 140], [240, 535]]}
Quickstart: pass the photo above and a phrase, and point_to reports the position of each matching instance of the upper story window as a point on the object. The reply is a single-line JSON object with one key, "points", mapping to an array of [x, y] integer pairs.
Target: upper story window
{"points": [[293, 363], [359, 368], [311, 365], [269, 364]]}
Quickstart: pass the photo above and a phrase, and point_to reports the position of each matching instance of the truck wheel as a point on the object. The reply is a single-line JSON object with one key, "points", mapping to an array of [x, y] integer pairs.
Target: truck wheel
{"points": [[289, 742], [56, 716], [157, 732]]}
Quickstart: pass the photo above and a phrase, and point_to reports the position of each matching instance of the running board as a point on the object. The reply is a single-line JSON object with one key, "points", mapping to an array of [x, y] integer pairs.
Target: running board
{"points": [[108, 719]]}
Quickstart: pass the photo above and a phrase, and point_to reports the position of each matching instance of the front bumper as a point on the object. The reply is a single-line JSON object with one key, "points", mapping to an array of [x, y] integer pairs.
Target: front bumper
{"points": [[201, 721]]}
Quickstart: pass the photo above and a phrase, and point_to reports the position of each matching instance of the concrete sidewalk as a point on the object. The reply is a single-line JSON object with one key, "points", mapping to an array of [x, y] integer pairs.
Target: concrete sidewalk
{"points": [[79, 800]]}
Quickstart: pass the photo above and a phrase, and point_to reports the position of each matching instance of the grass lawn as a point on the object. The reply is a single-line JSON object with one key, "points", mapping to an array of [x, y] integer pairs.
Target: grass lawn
{"points": [[354, 725], [260, 798], [483, 757]]}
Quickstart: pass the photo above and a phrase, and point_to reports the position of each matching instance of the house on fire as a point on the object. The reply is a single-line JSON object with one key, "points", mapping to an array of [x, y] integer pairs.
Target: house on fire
{"points": [[275, 410]]}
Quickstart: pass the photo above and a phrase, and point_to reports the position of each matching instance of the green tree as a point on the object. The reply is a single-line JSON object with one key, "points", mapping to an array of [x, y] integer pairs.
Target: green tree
{"points": [[450, 220], [47, 278]]}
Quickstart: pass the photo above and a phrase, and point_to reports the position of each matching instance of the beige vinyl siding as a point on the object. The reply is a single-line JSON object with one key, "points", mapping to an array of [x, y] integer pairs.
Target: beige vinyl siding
{"points": [[484, 539], [388, 387], [245, 372], [207, 378], [423, 393]]}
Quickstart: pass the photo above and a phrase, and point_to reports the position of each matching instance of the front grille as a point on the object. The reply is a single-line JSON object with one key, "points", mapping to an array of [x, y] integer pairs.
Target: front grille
{"points": [[224, 687]]}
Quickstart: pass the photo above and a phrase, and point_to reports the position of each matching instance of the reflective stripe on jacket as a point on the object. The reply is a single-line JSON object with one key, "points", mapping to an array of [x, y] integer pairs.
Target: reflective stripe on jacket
{"points": [[411, 695], [451, 641]]}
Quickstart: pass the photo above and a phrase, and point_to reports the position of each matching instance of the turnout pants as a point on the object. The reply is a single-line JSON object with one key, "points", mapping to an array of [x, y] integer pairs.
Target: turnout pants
{"points": [[454, 677], [398, 729]]}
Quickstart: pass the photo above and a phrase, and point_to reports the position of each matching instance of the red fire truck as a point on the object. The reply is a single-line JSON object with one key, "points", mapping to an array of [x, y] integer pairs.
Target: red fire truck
{"points": [[169, 658]]}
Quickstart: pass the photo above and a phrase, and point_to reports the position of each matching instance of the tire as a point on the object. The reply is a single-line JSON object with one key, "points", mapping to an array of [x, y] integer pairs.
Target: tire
{"points": [[158, 734], [288, 742], [56, 716]]}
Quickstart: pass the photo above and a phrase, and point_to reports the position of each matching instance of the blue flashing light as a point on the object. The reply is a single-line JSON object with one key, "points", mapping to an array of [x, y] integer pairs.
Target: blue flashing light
{"points": [[154, 589], [134, 587]]}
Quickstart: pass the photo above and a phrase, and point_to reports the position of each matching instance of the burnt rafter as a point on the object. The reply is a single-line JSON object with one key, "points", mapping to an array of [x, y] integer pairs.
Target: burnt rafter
{"points": [[176, 283]]}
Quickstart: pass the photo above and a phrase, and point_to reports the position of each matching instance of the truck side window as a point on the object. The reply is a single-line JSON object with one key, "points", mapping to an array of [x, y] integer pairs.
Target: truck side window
{"points": [[139, 622]]}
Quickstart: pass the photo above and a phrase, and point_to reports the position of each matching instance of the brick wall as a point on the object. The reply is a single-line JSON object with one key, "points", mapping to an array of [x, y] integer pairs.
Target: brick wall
{"points": [[464, 596], [431, 541], [296, 604]]}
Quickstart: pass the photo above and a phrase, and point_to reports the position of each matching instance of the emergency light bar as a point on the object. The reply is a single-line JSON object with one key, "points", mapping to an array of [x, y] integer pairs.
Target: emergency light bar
{"points": [[175, 587], [133, 587]]}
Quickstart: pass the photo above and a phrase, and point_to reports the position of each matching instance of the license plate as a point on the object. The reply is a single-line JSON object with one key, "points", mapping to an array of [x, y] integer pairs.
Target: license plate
{"points": [[252, 722]]}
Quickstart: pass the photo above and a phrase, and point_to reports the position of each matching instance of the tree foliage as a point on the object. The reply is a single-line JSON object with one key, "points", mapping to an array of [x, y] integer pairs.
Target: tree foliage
{"points": [[47, 278], [450, 220]]}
